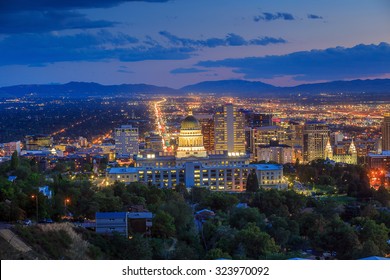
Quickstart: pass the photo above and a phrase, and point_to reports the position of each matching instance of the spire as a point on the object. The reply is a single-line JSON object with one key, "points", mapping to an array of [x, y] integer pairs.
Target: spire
{"points": [[352, 148], [190, 112], [328, 154]]}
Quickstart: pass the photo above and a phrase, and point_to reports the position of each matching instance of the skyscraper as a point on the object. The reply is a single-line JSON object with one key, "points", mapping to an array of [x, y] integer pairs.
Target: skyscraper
{"points": [[315, 138], [126, 140], [208, 133], [229, 126], [386, 132]]}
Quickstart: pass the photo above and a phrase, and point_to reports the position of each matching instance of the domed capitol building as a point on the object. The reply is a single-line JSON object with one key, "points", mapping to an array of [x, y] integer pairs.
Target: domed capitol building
{"points": [[193, 166]]}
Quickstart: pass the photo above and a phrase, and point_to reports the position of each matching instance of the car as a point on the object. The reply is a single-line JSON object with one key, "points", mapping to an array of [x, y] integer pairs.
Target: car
{"points": [[27, 222]]}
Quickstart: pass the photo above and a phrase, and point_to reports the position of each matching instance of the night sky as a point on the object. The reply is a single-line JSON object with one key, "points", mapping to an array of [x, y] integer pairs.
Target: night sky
{"points": [[180, 42]]}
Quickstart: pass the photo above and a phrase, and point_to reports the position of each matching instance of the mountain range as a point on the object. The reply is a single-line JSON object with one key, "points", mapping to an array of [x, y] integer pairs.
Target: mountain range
{"points": [[223, 87]]}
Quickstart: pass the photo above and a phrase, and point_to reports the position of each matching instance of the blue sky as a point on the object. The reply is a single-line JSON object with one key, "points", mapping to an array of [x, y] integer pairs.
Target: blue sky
{"points": [[180, 42]]}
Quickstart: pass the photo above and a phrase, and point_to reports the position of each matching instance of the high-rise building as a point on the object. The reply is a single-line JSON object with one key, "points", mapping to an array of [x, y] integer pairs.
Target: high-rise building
{"points": [[229, 126], [253, 119], [315, 138], [264, 135], [126, 140], [208, 133], [386, 132]]}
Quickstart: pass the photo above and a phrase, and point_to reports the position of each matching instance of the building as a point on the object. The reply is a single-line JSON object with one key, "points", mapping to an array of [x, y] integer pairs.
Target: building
{"points": [[253, 119], [38, 142], [386, 132], [11, 147], [83, 142], [46, 191], [191, 165], [340, 154], [190, 139], [229, 129], [270, 176], [124, 223], [122, 174], [294, 134], [264, 135], [207, 124], [381, 161], [154, 143], [126, 141], [275, 152], [315, 138], [110, 222]]}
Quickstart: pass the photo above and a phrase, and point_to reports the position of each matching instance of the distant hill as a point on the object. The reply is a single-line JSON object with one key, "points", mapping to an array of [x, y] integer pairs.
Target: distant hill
{"points": [[361, 88], [355, 86], [82, 89], [356, 90], [239, 87]]}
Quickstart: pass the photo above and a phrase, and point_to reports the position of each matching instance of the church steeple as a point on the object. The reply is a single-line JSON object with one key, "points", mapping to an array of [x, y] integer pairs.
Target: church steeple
{"points": [[352, 148], [328, 153]]}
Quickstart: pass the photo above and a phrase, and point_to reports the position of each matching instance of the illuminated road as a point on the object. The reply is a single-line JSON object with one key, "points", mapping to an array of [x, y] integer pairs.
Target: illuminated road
{"points": [[160, 123], [71, 126]]}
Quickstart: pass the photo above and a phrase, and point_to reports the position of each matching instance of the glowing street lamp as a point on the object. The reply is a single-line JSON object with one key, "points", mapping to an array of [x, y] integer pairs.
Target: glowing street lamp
{"points": [[34, 196], [67, 201]]}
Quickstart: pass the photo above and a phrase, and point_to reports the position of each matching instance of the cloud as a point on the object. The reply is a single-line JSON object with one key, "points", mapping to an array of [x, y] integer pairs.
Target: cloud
{"points": [[36, 5], [37, 16], [328, 64], [311, 16], [187, 70], [45, 21], [43, 48], [273, 16], [37, 49], [230, 39]]}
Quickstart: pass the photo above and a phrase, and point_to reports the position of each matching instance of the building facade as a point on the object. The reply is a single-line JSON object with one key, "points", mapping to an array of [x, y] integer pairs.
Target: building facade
{"points": [[339, 154], [124, 223], [386, 132], [11, 147], [315, 138], [126, 141], [229, 130], [275, 152], [38, 142]]}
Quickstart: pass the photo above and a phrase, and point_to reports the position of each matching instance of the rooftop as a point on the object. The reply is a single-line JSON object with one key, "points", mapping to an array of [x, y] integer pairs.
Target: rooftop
{"points": [[120, 170], [267, 166]]}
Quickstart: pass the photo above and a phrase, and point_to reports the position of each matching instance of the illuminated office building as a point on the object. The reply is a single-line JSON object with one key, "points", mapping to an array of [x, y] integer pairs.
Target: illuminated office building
{"points": [[229, 126], [315, 138], [386, 132], [126, 141]]}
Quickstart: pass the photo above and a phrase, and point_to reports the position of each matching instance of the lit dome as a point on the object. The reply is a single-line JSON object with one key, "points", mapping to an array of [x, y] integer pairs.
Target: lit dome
{"points": [[190, 123]]}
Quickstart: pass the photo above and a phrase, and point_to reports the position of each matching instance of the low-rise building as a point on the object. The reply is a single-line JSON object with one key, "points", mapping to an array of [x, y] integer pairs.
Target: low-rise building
{"points": [[124, 223], [381, 161]]}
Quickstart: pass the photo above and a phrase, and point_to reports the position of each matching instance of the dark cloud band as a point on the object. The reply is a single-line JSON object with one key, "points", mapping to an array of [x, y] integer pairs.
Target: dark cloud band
{"points": [[329, 64]]}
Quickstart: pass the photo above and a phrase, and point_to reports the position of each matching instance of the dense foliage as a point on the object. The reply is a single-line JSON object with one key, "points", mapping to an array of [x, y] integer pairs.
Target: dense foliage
{"points": [[340, 217]]}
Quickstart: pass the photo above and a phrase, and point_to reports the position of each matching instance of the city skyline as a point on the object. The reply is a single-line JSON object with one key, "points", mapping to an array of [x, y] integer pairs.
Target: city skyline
{"points": [[176, 43]]}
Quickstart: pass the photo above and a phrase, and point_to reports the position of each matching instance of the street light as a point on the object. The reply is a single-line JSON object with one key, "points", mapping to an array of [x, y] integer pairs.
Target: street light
{"points": [[67, 200], [36, 204]]}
